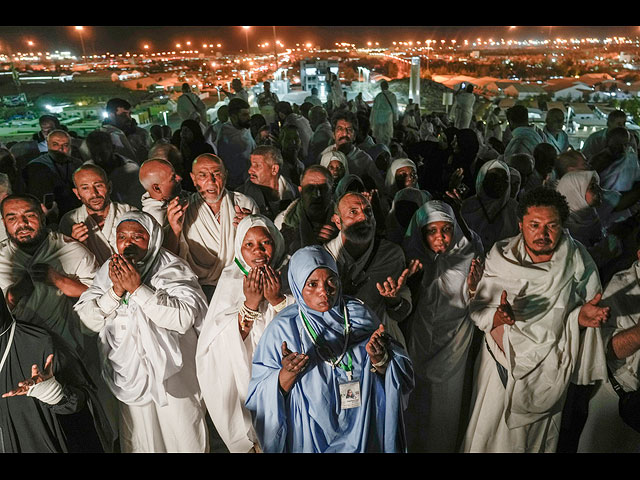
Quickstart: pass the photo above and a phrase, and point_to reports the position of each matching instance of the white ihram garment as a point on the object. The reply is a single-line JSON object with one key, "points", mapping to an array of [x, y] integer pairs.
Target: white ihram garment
{"points": [[211, 241], [223, 359], [101, 241], [148, 343], [543, 351]]}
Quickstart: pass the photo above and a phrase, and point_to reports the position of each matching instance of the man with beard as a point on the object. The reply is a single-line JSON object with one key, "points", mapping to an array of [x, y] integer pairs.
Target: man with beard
{"points": [[94, 223], [208, 226], [308, 220], [164, 199], [49, 177], [266, 185], [42, 272], [122, 172], [146, 306], [234, 142], [129, 140], [345, 125], [537, 303], [371, 269], [48, 123]]}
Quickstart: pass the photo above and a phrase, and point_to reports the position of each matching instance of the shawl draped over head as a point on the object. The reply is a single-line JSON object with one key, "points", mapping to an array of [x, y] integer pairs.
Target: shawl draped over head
{"points": [[156, 236], [433, 211], [137, 365], [327, 157], [310, 418], [395, 231], [223, 358], [544, 350], [583, 222], [442, 303], [390, 179], [303, 263], [346, 185], [493, 205]]}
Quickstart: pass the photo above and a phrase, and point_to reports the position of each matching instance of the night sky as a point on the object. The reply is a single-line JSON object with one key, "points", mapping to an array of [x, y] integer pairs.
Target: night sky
{"points": [[119, 39]]}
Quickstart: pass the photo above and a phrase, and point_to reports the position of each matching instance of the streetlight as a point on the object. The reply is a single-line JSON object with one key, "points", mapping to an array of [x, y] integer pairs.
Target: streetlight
{"points": [[80, 30], [246, 34]]}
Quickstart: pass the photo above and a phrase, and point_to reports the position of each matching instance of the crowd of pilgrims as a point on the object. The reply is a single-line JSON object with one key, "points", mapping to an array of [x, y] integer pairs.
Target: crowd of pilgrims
{"points": [[325, 277]]}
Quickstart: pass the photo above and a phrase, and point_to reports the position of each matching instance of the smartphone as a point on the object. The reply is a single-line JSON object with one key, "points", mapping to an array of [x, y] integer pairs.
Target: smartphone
{"points": [[48, 200]]}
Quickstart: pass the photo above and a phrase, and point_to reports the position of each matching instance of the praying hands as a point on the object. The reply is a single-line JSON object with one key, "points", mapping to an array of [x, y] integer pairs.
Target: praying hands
{"points": [[123, 275]]}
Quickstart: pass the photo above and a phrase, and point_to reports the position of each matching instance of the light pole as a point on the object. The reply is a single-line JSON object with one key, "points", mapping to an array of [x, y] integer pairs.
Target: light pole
{"points": [[275, 46], [246, 34], [80, 29]]}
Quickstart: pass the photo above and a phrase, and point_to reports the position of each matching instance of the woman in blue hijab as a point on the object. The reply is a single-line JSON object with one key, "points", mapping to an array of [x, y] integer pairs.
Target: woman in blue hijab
{"points": [[325, 377]]}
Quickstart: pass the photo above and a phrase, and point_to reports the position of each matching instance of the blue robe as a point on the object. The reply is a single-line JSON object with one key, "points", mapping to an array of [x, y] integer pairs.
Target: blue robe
{"points": [[309, 418]]}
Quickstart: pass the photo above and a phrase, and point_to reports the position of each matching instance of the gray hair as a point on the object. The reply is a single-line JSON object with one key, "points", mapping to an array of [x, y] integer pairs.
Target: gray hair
{"points": [[271, 153]]}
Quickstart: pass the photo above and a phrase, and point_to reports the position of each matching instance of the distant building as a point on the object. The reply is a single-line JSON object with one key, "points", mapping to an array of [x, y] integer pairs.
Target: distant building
{"points": [[315, 73], [522, 91], [570, 89]]}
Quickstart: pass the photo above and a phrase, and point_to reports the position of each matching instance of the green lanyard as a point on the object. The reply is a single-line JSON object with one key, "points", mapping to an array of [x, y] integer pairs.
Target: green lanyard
{"points": [[333, 361], [235, 259]]}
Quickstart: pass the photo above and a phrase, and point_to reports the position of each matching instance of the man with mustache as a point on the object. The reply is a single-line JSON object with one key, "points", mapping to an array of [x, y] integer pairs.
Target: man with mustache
{"points": [[308, 220], [49, 177], [266, 185], [234, 142], [94, 223], [208, 225], [537, 303], [371, 269], [42, 272], [345, 125], [129, 140]]}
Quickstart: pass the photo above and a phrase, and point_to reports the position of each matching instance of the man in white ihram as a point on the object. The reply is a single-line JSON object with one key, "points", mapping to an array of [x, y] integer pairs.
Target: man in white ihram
{"points": [[537, 303], [146, 306], [208, 225], [94, 223]]}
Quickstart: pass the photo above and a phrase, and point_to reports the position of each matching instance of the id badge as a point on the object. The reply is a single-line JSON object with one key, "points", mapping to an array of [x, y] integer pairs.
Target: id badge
{"points": [[350, 394]]}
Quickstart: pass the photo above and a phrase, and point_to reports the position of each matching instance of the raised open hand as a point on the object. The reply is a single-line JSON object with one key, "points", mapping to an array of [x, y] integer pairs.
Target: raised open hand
{"points": [[504, 313], [36, 377], [591, 315], [293, 363]]}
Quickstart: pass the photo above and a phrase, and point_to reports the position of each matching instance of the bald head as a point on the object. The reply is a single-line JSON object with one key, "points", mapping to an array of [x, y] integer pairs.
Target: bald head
{"points": [[159, 179]]}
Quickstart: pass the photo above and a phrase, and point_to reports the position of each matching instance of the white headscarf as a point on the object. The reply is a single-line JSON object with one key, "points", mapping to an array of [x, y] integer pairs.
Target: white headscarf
{"points": [[492, 205], [156, 235], [327, 157], [390, 180], [414, 244], [246, 224], [584, 222]]}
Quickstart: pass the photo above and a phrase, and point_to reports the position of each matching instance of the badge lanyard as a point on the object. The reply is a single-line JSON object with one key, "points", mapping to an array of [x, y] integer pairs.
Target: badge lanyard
{"points": [[6, 351], [240, 266], [333, 362]]}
